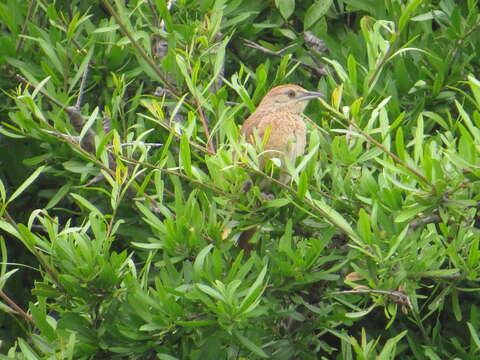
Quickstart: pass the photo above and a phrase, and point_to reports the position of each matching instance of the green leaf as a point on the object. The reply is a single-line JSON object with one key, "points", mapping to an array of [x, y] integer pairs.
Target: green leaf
{"points": [[285, 244], [49, 51], [315, 12], [254, 292], [40, 317], [185, 155], [439, 273], [474, 334], [475, 132], [3, 192], [166, 357], [388, 350], [475, 87], [364, 226], [196, 323], [286, 7], [85, 203], [105, 29], [27, 351], [89, 123], [396, 243], [81, 70], [164, 13], [26, 183], [199, 261], [182, 65], [211, 291], [5, 275], [410, 212], [250, 345], [59, 195], [406, 14], [418, 147], [457, 311], [306, 159], [360, 314], [338, 220], [40, 86], [302, 185], [277, 203]]}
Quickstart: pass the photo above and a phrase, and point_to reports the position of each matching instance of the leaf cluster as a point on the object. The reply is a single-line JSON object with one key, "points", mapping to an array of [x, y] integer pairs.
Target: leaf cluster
{"points": [[125, 184]]}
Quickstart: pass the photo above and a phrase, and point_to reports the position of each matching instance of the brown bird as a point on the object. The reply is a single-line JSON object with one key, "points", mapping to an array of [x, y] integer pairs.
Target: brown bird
{"points": [[280, 116], [279, 119]]}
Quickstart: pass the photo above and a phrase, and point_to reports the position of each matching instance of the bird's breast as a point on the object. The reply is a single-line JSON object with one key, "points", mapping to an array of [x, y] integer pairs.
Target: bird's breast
{"points": [[287, 134]]}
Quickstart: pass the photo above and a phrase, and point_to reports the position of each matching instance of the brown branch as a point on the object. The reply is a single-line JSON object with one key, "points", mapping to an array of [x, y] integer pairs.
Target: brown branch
{"points": [[204, 121], [15, 308], [453, 276], [397, 296], [424, 221], [281, 52]]}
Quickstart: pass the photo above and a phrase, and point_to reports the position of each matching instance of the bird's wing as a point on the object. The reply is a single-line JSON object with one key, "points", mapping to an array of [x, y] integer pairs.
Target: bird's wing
{"points": [[257, 124]]}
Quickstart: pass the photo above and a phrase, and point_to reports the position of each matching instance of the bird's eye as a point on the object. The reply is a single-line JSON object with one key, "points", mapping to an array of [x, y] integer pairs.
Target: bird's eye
{"points": [[291, 94]]}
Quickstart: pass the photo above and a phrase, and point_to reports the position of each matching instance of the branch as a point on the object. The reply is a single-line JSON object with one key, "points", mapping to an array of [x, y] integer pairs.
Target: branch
{"points": [[281, 52], [24, 26], [377, 144], [397, 296], [141, 51], [15, 308], [204, 121], [392, 155]]}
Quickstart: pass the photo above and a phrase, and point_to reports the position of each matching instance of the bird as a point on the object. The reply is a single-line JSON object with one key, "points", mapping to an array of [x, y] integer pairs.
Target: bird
{"points": [[278, 118]]}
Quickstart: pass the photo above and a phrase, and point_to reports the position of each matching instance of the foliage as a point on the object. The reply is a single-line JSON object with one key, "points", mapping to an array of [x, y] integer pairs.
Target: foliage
{"points": [[125, 248]]}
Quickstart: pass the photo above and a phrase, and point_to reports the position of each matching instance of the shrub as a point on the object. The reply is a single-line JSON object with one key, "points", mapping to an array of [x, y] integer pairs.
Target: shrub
{"points": [[123, 181]]}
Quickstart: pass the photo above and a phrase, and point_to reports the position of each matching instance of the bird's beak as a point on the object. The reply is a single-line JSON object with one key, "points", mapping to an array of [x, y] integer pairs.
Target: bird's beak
{"points": [[307, 95]]}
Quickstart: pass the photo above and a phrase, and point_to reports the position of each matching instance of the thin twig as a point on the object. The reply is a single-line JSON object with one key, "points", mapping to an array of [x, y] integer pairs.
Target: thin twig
{"points": [[397, 296], [136, 143], [256, 46], [469, 32], [62, 25], [204, 121], [180, 175], [423, 221], [16, 308], [377, 144], [380, 64], [21, 39], [178, 135], [453, 276], [42, 91], [281, 52], [140, 50], [61, 135], [392, 155]]}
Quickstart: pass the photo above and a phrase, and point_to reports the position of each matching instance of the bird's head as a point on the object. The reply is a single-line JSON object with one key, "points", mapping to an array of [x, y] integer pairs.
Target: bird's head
{"points": [[291, 98]]}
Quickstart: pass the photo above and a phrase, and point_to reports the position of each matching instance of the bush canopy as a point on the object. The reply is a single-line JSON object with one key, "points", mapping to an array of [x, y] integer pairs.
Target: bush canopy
{"points": [[125, 184]]}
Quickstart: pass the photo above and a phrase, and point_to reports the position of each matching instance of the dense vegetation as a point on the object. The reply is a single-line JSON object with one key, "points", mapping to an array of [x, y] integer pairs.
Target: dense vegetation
{"points": [[123, 180]]}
